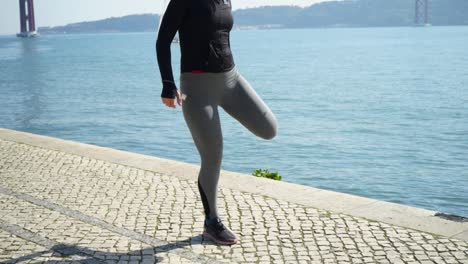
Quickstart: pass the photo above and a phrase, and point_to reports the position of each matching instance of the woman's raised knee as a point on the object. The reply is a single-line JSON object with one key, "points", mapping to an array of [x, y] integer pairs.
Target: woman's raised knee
{"points": [[269, 131]]}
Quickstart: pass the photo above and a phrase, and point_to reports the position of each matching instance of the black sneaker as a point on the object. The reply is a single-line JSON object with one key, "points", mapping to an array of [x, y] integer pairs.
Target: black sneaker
{"points": [[215, 230]]}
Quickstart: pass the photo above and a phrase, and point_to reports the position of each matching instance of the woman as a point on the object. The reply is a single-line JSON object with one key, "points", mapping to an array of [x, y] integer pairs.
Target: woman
{"points": [[208, 79]]}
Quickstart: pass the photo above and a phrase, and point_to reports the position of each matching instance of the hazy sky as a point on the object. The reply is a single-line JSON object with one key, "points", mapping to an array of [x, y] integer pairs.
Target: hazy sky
{"points": [[61, 12]]}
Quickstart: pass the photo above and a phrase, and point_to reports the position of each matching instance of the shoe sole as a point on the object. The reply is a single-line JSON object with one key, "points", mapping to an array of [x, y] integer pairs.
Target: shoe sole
{"points": [[222, 242]]}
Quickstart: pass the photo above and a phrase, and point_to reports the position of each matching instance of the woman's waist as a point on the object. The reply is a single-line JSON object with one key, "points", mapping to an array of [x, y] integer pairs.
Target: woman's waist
{"points": [[199, 81], [195, 71], [207, 67]]}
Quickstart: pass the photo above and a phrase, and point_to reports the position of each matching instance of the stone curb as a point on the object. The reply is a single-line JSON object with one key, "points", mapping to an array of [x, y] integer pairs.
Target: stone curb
{"points": [[386, 212], [162, 245]]}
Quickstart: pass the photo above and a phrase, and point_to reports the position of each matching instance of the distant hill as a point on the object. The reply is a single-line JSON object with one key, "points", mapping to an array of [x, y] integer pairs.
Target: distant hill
{"points": [[348, 13], [133, 23], [266, 15], [375, 13]]}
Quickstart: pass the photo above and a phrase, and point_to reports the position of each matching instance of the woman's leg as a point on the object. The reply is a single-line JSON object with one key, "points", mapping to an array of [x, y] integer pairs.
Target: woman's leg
{"points": [[200, 112], [244, 104], [204, 124]]}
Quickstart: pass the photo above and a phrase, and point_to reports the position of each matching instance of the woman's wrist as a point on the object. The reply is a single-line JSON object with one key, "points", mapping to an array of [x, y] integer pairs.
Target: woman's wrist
{"points": [[169, 90]]}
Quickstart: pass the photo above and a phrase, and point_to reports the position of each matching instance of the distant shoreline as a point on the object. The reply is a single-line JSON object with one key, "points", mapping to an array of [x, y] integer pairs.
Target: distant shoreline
{"points": [[243, 29], [328, 14]]}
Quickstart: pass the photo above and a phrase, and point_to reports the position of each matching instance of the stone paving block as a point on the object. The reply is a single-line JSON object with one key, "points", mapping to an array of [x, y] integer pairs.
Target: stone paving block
{"points": [[60, 228], [14, 248], [168, 208]]}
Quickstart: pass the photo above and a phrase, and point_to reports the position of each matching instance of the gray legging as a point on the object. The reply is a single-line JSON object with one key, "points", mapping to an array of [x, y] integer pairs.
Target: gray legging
{"points": [[201, 94]]}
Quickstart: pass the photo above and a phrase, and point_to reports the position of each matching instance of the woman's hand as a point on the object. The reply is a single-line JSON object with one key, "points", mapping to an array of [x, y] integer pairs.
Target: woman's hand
{"points": [[171, 102]]}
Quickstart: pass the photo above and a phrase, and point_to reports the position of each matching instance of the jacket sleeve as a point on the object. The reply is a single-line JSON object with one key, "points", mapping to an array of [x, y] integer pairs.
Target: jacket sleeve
{"points": [[171, 21]]}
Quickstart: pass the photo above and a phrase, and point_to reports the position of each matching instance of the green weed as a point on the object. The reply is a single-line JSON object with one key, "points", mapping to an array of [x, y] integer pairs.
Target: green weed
{"points": [[265, 173]]}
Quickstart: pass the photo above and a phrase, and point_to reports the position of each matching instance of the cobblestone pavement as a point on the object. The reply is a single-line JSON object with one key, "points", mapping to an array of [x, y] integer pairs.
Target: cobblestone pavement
{"points": [[57, 207]]}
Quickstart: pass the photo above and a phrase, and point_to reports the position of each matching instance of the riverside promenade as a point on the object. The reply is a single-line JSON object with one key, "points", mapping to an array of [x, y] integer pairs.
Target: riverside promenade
{"points": [[67, 202]]}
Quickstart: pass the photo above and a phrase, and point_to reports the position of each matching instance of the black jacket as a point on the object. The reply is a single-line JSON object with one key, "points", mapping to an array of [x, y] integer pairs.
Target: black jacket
{"points": [[204, 27]]}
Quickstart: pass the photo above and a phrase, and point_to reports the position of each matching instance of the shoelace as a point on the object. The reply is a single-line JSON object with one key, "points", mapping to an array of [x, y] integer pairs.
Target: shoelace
{"points": [[219, 226]]}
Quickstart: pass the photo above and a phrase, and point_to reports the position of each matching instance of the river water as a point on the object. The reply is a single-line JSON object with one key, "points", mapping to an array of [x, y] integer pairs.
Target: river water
{"points": [[376, 112]]}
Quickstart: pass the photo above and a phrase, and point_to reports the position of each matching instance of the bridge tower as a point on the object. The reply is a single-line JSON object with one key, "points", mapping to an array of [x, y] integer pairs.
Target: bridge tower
{"points": [[421, 13], [27, 20]]}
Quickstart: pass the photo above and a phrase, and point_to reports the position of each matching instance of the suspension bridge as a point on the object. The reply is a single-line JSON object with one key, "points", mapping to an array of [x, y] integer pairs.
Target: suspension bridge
{"points": [[27, 19], [28, 23]]}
